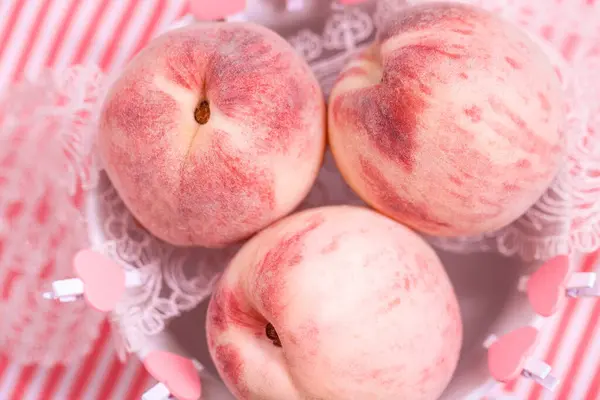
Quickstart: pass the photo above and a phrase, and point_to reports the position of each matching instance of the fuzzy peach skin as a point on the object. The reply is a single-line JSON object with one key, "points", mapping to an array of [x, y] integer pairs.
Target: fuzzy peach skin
{"points": [[213, 132], [451, 123], [336, 303]]}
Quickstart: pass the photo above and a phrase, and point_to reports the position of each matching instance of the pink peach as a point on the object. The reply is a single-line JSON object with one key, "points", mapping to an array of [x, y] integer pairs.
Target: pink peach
{"points": [[451, 123], [213, 132], [335, 303]]}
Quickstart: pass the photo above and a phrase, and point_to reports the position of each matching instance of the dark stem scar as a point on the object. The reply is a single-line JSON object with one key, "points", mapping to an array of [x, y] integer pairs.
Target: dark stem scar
{"points": [[272, 334], [202, 112]]}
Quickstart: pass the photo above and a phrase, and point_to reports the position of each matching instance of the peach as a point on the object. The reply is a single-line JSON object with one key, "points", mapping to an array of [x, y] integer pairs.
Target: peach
{"points": [[451, 123], [335, 303], [212, 132]]}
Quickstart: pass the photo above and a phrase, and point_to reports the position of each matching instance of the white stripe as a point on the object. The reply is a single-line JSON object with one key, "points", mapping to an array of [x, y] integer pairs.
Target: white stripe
{"points": [[568, 345], [6, 10], [103, 363], [589, 365], [10, 378], [106, 29], [140, 20], [74, 35], [172, 10], [18, 41], [36, 384], [131, 34], [68, 379], [124, 385], [45, 38]]}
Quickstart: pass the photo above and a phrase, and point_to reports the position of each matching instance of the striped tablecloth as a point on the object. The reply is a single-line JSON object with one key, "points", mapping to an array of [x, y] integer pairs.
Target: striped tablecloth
{"points": [[35, 34]]}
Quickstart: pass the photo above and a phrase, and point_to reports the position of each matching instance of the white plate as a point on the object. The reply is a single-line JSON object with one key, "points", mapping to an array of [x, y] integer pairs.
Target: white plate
{"points": [[486, 284]]}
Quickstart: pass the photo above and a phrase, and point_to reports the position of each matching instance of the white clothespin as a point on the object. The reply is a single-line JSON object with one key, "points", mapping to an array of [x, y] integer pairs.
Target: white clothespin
{"points": [[73, 289], [583, 284], [177, 376], [511, 355], [547, 287], [157, 392]]}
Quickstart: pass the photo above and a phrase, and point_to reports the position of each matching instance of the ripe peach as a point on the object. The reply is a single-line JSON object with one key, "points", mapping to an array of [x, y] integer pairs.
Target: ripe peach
{"points": [[451, 123], [213, 132], [335, 303]]}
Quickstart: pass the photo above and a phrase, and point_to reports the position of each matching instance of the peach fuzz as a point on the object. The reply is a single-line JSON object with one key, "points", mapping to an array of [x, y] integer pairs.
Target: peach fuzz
{"points": [[451, 123], [335, 303], [212, 132]]}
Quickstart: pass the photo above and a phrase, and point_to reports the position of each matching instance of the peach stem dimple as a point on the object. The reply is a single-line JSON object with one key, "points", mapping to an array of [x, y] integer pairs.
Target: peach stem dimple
{"points": [[272, 334], [202, 112]]}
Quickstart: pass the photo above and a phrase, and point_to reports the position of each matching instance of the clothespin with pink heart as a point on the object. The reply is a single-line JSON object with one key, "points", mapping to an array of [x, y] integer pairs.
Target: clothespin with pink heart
{"points": [[177, 377], [549, 286], [511, 355], [99, 280], [102, 283]]}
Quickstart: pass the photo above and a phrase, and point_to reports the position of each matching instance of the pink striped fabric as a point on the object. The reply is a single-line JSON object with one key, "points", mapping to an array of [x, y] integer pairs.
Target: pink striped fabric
{"points": [[571, 345], [35, 34], [56, 33]]}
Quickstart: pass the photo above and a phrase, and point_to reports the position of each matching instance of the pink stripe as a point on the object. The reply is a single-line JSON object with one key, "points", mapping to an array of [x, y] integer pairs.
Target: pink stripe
{"points": [[185, 9], [594, 389], [3, 366], [89, 364], [34, 33], [53, 381], [110, 379], [88, 36], [115, 39], [580, 353], [588, 265], [62, 32], [510, 386], [23, 382], [10, 26], [139, 384], [151, 26]]}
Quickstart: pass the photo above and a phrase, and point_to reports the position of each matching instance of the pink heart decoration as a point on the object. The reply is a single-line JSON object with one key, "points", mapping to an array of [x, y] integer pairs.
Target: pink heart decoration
{"points": [[177, 373], [507, 355], [210, 10], [546, 287], [103, 279]]}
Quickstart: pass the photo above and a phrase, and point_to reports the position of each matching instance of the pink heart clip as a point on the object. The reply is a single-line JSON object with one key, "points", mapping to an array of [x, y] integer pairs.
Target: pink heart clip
{"points": [[511, 355], [178, 376]]}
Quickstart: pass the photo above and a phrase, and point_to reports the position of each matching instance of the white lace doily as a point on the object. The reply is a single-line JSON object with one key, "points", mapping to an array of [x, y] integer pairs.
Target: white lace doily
{"points": [[566, 217], [45, 168]]}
